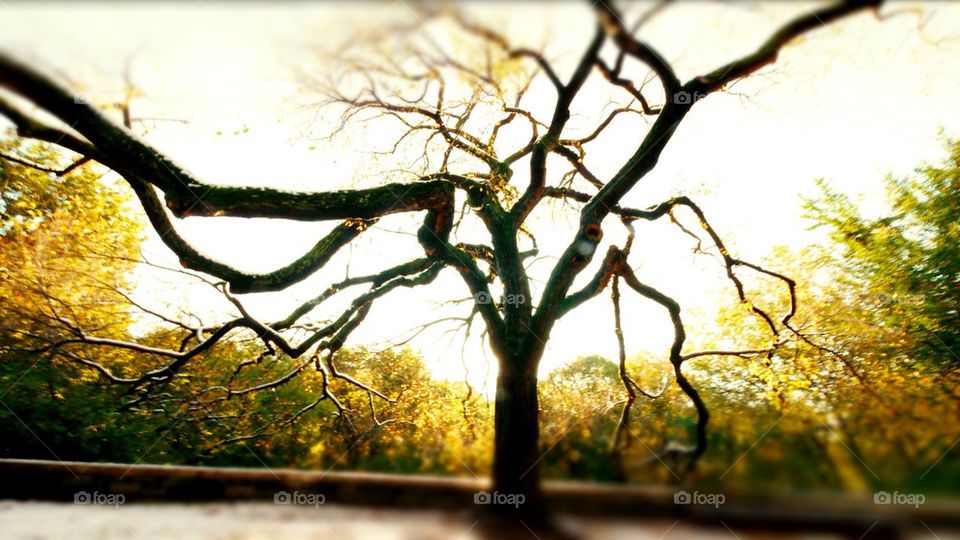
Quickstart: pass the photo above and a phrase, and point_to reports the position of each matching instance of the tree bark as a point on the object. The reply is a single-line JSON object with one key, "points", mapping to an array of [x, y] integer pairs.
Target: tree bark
{"points": [[516, 436]]}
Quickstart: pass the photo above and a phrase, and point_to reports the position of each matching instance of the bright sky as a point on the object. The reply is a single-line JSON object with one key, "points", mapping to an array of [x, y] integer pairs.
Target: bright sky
{"points": [[851, 103]]}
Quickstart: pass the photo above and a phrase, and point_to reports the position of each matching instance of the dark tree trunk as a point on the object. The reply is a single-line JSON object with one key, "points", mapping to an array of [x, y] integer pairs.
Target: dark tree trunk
{"points": [[516, 435]]}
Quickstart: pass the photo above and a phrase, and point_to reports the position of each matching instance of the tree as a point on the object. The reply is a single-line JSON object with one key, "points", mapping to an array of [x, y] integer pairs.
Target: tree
{"points": [[66, 240], [876, 396], [858, 409], [907, 263], [461, 163]]}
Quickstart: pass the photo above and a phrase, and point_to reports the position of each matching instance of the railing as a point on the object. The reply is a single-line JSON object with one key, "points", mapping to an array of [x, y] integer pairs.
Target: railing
{"points": [[53, 480]]}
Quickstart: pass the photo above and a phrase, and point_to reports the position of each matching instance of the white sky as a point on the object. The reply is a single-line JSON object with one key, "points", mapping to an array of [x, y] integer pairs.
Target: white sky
{"points": [[851, 103]]}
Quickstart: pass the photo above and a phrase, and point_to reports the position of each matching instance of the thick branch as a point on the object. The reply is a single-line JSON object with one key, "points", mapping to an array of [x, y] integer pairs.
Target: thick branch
{"points": [[613, 25], [561, 114], [767, 53], [679, 335]]}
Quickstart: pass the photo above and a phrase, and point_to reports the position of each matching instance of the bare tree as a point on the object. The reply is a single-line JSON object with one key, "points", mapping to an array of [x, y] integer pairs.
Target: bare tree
{"points": [[459, 165]]}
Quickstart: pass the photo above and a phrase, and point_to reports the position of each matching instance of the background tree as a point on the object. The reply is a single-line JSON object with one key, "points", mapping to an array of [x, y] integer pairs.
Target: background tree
{"points": [[464, 172], [874, 399], [906, 262], [65, 242], [850, 412]]}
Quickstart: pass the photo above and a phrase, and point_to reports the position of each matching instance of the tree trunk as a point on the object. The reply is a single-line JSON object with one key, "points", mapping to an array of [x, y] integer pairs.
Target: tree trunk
{"points": [[516, 456]]}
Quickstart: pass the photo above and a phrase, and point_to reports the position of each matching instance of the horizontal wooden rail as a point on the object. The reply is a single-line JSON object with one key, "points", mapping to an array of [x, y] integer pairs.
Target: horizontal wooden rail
{"points": [[53, 480]]}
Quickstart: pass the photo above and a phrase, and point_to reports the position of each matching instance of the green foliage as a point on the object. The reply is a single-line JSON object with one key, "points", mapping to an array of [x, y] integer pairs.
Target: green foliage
{"points": [[64, 246], [431, 426], [907, 261]]}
